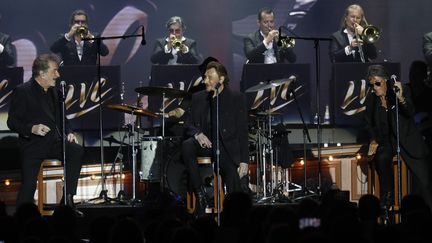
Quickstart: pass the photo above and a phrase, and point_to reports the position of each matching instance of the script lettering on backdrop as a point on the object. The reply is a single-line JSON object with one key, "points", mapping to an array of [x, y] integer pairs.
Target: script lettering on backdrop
{"points": [[88, 98], [353, 104], [3, 96], [182, 86], [282, 92]]}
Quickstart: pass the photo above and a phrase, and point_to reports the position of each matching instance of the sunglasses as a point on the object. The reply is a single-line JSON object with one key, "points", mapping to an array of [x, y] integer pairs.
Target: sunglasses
{"points": [[378, 84]]}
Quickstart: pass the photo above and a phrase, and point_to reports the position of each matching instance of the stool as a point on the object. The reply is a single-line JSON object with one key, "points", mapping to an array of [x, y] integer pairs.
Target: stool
{"points": [[373, 182], [47, 163], [190, 197]]}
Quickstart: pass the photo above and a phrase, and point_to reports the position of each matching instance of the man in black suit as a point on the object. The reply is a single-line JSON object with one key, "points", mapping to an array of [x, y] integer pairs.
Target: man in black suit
{"points": [[345, 46], [261, 46], [35, 114], [201, 132], [380, 120], [7, 53], [71, 46], [175, 49]]}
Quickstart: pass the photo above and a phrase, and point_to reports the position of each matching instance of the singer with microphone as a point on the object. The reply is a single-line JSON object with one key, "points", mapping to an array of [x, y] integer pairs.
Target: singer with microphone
{"points": [[202, 120], [262, 46], [35, 114], [175, 48], [380, 120], [71, 46]]}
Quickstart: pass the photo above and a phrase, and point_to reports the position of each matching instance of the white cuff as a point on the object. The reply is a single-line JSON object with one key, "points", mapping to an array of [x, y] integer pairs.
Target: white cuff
{"points": [[268, 46], [166, 49], [1, 48], [348, 50], [67, 37]]}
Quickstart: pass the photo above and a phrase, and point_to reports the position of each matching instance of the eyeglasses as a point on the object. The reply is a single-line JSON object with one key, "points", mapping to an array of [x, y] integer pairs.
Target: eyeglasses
{"points": [[80, 21], [378, 84]]}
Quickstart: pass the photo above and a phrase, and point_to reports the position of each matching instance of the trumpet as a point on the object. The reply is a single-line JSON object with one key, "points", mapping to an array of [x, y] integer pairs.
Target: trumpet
{"points": [[284, 41], [82, 31], [177, 43]]}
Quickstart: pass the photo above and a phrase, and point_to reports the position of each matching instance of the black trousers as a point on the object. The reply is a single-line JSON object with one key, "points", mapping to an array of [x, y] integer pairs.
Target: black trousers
{"points": [[30, 165], [384, 167], [228, 169]]}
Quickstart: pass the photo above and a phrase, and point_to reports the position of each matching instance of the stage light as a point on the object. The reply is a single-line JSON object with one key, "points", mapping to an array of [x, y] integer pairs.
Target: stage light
{"points": [[301, 162], [338, 144], [358, 156], [93, 177], [330, 158], [7, 182], [123, 176], [325, 145]]}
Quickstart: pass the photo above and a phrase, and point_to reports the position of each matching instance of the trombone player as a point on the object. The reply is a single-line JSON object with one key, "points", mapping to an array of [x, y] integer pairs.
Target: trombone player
{"points": [[71, 46], [261, 46], [175, 48], [354, 42]]}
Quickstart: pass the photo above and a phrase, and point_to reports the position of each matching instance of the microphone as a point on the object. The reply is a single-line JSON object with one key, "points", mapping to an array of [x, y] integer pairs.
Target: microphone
{"points": [[63, 88], [279, 41], [392, 82], [143, 40]]}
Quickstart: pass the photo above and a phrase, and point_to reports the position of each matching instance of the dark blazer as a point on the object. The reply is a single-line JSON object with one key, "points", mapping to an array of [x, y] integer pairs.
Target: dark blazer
{"points": [[254, 50], [27, 110], [337, 49], [233, 128], [411, 141], [7, 57], [427, 48], [160, 57], [67, 50]]}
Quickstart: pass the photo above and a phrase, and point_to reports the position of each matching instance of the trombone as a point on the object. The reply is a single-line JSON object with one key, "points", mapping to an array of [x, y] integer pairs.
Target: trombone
{"points": [[370, 35]]}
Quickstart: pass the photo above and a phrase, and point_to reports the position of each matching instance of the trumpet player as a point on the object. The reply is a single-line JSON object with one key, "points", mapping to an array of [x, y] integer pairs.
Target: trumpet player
{"points": [[71, 46], [175, 48], [261, 46], [347, 44]]}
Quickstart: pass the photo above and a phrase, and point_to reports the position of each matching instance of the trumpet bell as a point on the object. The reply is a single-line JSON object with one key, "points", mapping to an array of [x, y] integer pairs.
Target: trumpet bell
{"points": [[371, 34], [177, 43], [82, 31]]}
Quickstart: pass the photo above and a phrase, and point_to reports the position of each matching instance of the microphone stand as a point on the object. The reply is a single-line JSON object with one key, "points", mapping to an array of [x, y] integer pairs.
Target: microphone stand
{"points": [[316, 41], [218, 183], [399, 162], [104, 192], [63, 137], [305, 135]]}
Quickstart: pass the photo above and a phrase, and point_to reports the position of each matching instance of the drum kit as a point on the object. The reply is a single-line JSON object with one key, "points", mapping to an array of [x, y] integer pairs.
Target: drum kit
{"points": [[152, 148], [272, 177]]}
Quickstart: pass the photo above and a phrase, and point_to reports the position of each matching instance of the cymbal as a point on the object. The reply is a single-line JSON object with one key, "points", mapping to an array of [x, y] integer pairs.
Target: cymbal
{"points": [[169, 92], [132, 109], [269, 84]]}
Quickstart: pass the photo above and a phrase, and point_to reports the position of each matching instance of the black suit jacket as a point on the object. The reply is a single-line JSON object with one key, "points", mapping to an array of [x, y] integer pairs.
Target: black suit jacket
{"points": [[7, 57], [337, 49], [160, 57], [254, 50], [69, 55], [27, 110], [411, 141], [233, 127]]}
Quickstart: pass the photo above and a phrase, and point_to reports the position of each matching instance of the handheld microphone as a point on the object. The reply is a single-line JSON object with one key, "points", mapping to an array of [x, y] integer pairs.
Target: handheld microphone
{"points": [[279, 40], [143, 40]]}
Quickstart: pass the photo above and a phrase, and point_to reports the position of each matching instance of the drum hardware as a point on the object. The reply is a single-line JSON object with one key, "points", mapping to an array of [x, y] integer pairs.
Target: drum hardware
{"points": [[166, 93], [133, 110]]}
